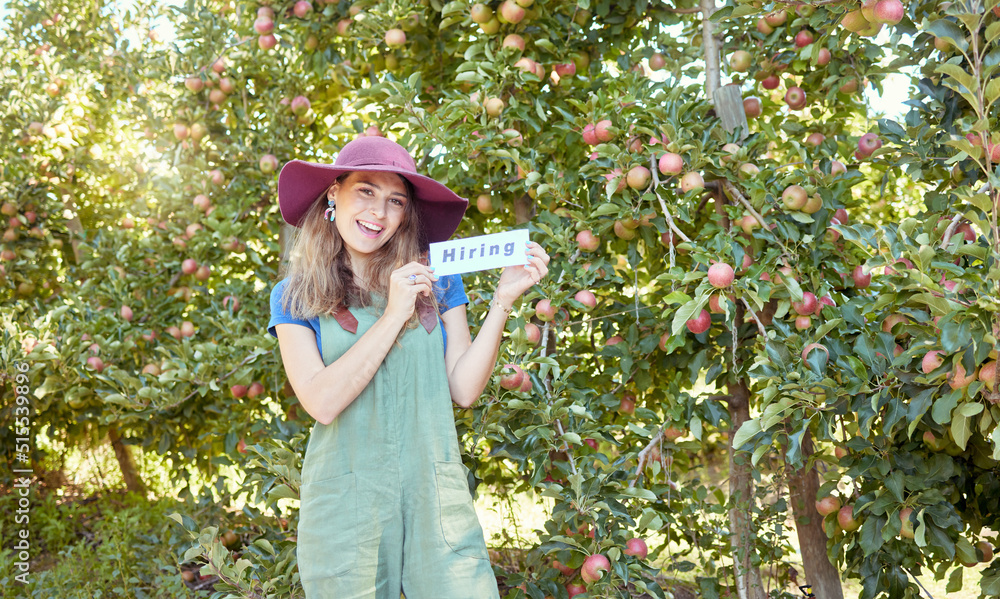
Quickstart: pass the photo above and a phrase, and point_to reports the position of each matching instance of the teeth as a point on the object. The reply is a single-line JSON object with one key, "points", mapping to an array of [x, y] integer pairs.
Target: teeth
{"points": [[370, 226]]}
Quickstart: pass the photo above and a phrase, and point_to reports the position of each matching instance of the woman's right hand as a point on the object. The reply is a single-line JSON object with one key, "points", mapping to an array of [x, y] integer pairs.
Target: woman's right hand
{"points": [[405, 284]]}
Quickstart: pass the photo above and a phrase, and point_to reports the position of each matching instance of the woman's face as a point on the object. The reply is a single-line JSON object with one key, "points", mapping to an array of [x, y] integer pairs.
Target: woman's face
{"points": [[370, 209]]}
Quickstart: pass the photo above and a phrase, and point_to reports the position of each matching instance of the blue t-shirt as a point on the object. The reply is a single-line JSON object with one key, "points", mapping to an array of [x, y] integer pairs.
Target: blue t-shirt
{"points": [[449, 289]]}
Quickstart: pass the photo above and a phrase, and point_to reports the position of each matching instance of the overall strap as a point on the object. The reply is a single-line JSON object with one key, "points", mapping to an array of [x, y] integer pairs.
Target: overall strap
{"points": [[349, 322]]}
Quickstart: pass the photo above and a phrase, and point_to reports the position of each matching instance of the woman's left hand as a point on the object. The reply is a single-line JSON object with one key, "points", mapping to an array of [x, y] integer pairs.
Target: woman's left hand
{"points": [[515, 280]]}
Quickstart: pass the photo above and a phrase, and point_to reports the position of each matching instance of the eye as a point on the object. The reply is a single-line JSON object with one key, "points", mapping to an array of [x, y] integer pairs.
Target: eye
{"points": [[397, 201], [367, 191]]}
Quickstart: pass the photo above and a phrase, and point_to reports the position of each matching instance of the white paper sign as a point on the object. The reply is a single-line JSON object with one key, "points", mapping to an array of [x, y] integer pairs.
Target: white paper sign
{"points": [[457, 256]]}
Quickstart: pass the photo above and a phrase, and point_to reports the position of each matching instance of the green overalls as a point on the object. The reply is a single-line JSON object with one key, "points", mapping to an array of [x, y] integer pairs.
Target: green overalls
{"points": [[386, 506]]}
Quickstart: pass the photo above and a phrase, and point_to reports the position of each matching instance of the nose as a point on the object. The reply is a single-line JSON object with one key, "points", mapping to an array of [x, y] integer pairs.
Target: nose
{"points": [[378, 209]]}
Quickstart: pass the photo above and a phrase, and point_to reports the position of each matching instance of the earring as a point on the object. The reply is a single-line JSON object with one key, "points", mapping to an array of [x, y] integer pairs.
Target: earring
{"points": [[331, 212]]}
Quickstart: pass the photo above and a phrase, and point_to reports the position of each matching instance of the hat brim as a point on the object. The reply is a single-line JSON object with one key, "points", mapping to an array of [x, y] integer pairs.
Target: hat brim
{"points": [[300, 183]]}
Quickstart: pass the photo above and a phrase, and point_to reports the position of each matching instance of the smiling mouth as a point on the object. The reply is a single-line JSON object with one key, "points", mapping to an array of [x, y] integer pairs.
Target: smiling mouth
{"points": [[370, 230]]}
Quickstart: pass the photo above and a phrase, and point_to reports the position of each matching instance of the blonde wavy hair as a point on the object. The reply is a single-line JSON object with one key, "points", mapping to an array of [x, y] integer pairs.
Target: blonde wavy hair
{"points": [[319, 266]]}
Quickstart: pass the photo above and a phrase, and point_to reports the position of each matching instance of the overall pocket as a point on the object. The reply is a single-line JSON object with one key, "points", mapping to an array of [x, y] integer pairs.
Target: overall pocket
{"points": [[328, 528], [459, 523]]}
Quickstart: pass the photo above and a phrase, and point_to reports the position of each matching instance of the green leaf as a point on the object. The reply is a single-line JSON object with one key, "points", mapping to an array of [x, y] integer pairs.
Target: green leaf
{"points": [[992, 88], [572, 438], [960, 430], [747, 430], [282, 492], [941, 412], [894, 482], [265, 545], [948, 30], [687, 312], [958, 74], [970, 409], [955, 581]]}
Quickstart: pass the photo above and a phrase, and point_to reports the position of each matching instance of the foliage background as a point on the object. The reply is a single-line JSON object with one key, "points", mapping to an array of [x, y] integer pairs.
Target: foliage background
{"points": [[106, 148]]}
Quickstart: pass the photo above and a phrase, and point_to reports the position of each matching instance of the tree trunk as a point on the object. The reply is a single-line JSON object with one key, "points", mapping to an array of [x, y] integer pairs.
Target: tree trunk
{"points": [[133, 482], [524, 209], [741, 496], [802, 487], [711, 48]]}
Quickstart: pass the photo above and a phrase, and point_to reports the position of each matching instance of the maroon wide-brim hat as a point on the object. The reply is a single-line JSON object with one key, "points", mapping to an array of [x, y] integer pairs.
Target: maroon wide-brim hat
{"points": [[301, 183]]}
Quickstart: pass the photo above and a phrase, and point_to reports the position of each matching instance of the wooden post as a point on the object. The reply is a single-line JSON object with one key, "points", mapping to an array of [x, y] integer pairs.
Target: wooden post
{"points": [[729, 106]]}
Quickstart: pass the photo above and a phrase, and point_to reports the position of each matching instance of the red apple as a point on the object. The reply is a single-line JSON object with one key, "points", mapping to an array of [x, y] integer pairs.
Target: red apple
{"points": [[700, 323], [808, 304], [861, 280], [267, 41], [638, 177], [572, 590], [794, 197], [720, 275], [587, 298], [932, 442], [752, 107], [126, 313], [814, 346], [533, 333], [867, 144], [238, 391], [740, 61], [590, 135], [814, 139], [987, 374], [888, 12], [671, 164], [594, 567], [603, 130], [804, 38], [481, 13], [770, 82], [795, 97], [512, 377], [187, 329], [513, 41], [636, 547], [587, 241], [302, 8], [828, 505], [544, 310], [512, 12], [230, 300], [395, 38], [189, 266], [563, 568], [846, 519], [263, 26], [691, 181], [201, 202], [776, 18], [959, 378], [268, 163], [906, 530], [96, 363], [931, 361], [300, 105], [627, 404]]}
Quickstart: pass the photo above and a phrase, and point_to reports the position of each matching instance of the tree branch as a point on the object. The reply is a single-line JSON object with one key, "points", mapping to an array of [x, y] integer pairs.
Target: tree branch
{"points": [[663, 205], [742, 200], [760, 326]]}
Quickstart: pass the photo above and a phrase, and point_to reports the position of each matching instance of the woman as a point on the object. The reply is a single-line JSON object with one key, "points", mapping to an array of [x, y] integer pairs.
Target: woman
{"points": [[385, 503]]}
